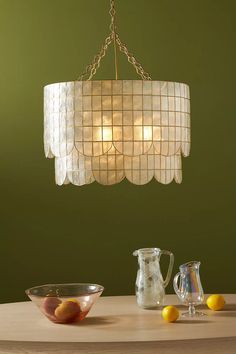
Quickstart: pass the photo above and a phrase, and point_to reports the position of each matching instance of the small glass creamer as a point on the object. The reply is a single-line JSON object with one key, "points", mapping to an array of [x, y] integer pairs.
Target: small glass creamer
{"points": [[150, 286], [190, 290]]}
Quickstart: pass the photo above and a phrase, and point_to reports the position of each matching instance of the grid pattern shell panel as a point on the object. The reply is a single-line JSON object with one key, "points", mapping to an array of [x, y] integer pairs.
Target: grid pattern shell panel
{"points": [[78, 169], [110, 129], [112, 168], [59, 119]]}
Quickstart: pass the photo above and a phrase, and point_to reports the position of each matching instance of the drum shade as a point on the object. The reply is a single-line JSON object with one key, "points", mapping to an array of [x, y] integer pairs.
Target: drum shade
{"points": [[106, 130]]}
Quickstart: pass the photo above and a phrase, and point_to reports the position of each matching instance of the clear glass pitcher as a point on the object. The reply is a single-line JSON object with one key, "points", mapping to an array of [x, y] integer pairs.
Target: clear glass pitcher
{"points": [[190, 290], [150, 286]]}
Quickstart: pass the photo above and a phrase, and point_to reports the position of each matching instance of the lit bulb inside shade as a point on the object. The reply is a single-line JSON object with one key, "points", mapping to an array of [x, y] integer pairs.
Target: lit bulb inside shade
{"points": [[147, 133], [107, 134], [119, 128]]}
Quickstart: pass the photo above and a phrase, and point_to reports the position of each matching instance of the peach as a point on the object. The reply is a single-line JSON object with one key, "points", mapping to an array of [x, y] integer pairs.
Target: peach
{"points": [[67, 311], [50, 304]]}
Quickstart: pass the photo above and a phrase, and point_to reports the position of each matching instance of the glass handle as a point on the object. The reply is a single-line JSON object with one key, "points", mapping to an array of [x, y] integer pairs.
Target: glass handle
{"points": [[170, 268], [175, 284]]}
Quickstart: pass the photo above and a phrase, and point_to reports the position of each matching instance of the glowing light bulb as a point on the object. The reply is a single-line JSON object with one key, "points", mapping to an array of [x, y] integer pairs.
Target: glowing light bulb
{"points": [[147, 133], [107, 134]]}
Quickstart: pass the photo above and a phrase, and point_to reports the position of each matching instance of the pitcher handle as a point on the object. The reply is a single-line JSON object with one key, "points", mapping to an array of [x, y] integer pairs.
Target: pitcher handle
{"points": [[170, 268], [175, 284]]}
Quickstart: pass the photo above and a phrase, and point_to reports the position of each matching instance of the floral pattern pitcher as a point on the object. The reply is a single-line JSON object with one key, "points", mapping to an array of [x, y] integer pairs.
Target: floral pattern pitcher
{"points": [[150, 286]]}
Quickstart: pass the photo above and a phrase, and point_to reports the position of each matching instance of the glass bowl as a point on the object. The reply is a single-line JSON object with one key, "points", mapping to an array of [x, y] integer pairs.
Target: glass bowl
{"points": [[65, 303]]}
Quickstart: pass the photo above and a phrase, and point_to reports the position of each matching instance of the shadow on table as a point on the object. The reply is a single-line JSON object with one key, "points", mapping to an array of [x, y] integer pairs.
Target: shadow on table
{"points": [[230, 307], [192, 322], [224, 314], [229, 310], [97, 320]]}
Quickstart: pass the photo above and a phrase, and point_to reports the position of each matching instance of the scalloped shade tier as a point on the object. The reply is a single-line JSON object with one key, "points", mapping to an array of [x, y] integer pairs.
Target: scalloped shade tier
{"points": [[111, 129]]}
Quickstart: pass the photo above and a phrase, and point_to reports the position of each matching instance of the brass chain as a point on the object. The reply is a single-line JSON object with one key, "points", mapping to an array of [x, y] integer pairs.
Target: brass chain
{"points": [[112, 13], [91, 69], [131, 59]]}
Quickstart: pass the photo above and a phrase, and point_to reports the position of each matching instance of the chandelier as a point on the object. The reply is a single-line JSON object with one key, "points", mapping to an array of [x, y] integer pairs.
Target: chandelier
{"points": [[108, 130]]}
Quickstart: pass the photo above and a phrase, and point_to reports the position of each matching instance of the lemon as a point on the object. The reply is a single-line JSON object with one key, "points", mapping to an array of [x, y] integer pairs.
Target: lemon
{"points": [[215, 302], [74, 300], [67, 311], [170, 313]]}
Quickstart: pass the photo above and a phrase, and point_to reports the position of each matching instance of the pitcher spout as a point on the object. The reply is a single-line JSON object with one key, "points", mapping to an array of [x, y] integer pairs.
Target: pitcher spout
{"points": [[189, 265], [146, 251]]}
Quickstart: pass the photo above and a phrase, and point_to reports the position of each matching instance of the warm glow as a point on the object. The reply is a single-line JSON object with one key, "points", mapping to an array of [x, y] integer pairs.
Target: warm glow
{"points": [[134, 129], [147, 133], [108, 130], [107, 134]]}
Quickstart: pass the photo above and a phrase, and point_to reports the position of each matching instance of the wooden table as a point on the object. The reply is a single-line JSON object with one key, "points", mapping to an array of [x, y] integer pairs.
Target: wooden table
{"points": [[117, 325]]}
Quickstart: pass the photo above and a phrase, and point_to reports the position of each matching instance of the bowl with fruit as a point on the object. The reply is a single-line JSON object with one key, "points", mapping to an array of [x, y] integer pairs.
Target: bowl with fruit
{"points": [[65, 303]]}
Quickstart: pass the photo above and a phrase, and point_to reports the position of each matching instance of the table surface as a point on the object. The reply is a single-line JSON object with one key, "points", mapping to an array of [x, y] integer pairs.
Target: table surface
{"points": [[116, 319]]}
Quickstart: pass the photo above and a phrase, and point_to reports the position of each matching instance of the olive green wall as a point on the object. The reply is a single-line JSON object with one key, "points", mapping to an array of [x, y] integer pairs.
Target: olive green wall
{"points": [[87, 234]]}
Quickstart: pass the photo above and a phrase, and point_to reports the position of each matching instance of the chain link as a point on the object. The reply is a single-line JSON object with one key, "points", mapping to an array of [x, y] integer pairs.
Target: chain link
{"points": [[131, 59], [91, 69], [112, 13]]}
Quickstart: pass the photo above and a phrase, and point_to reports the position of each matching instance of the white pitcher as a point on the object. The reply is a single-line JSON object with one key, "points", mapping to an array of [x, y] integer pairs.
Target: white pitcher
{"points": [[150, 286]]}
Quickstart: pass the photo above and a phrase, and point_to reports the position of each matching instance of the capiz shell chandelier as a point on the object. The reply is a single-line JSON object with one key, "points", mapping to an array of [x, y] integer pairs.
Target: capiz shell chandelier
{"points": [[108, 130]]}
